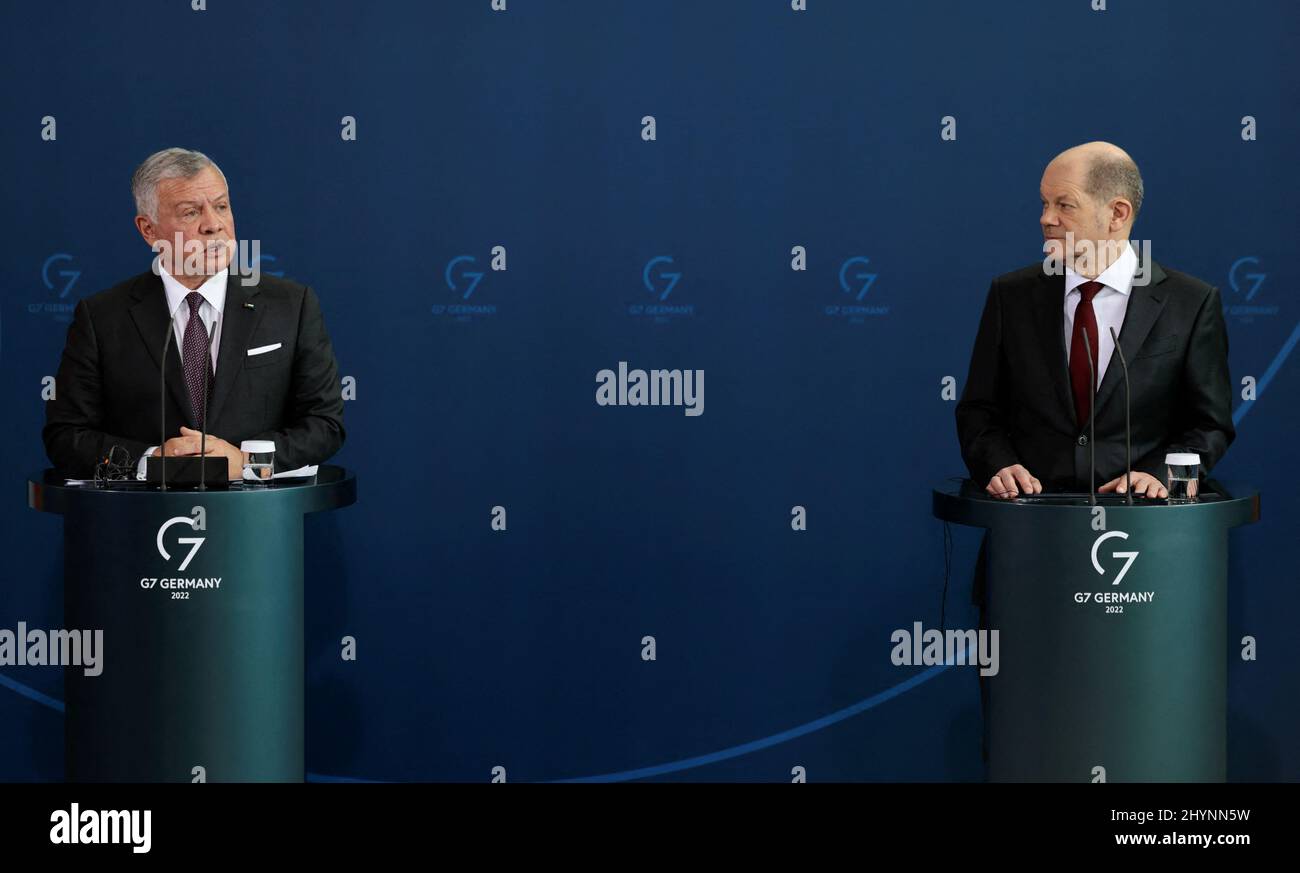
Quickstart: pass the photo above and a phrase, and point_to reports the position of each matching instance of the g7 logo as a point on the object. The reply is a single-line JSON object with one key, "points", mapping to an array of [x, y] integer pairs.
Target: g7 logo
{"points": [[867, 279], [1257, 279], [198, 522], [473, 276], [70, 275], [648, 277], [1131, 556]]}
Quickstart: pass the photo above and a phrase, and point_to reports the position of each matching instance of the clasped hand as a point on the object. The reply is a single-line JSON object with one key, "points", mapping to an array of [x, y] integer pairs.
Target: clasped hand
{"points": [[188, 443]]}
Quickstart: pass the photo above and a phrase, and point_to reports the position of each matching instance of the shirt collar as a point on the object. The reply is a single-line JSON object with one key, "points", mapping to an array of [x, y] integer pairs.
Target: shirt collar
{"points": [[1118, 276], [213, 290]]}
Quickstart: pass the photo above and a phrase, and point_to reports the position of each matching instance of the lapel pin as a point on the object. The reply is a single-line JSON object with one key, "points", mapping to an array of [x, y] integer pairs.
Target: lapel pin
{"points": [[248, 306]]}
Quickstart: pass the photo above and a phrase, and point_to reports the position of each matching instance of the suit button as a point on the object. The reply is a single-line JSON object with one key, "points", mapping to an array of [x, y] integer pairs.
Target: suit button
{"points": [[1083, 439]]}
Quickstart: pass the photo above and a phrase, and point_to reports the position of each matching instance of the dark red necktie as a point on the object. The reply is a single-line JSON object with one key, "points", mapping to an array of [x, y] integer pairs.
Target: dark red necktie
{"points": [[1084, 319]]}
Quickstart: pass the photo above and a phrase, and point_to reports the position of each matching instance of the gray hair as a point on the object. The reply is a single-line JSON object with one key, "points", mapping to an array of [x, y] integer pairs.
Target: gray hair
{"points": [[1112, 176], [173, 163]]}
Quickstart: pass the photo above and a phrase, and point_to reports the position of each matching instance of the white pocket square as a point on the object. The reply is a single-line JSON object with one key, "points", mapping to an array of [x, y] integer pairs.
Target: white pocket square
{"points": [[261, 350]]}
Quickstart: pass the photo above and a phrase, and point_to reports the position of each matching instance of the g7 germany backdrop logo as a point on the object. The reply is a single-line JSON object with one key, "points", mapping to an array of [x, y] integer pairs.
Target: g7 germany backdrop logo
{"points": [[659, 282], [462, 281], [854, 282], [69, 277]]}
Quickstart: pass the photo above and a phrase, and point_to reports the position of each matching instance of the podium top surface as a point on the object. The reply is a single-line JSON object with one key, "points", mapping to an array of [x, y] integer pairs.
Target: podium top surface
{"points": [[331, 488], [965, 502]]}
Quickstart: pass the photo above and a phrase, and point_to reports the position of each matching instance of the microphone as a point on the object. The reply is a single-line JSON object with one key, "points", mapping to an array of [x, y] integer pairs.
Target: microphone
{"points": [[203, 422], [162, 406], [162, 411], [1128, 432], [1092, 422]]}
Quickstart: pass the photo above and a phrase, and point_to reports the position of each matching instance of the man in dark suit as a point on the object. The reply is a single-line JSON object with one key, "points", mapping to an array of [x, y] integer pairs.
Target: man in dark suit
{"points": [[1023, 416], [271, 368]]}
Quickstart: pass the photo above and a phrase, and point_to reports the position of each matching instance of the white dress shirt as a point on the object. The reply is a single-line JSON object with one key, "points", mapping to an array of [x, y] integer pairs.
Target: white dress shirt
{"points": [[211, 312], [1109, 304]]}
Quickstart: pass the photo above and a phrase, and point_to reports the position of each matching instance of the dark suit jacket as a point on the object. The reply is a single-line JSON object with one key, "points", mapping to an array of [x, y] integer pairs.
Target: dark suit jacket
{"points": [[107, 388], [1017, 406]]}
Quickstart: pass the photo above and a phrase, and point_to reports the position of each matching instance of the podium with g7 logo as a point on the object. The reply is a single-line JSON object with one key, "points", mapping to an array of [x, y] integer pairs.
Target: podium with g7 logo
{"points": [[1112, 633], [199, 595]]}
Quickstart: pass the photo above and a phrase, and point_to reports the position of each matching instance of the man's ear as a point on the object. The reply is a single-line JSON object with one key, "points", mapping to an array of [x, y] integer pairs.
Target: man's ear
{"points": [[146, 228], [1121, 213]]}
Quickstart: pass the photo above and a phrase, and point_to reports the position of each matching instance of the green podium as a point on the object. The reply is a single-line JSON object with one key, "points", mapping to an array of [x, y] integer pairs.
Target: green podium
{"points": [[1112, 633], [199, 595]]}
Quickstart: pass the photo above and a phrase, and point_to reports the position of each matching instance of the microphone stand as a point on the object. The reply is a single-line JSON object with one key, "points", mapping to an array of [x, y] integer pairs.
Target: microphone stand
{"points": [[162, 405], [1092, 422], [203, 422], [162, 410], [1128, 438]]}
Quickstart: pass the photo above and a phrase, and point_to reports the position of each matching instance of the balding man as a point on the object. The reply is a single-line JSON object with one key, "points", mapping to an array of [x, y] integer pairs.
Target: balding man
{"points": [[1023, 415], [271, 373]]}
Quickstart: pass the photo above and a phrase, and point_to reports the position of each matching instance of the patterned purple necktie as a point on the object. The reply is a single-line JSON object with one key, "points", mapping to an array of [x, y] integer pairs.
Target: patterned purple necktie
{"points": [[194, 356]]}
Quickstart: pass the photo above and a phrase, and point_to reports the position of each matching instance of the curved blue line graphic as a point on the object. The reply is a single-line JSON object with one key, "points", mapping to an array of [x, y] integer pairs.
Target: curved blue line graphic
{"points": [[31, 693], [776, 739], [1278, 361], [659, 769], [323, 777]]}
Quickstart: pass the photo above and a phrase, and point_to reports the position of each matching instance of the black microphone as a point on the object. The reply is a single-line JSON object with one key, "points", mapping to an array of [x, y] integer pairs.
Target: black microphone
{"points": [[162, 410], [162, 406], [1128, 432], [203, 422], [1092, 421]]}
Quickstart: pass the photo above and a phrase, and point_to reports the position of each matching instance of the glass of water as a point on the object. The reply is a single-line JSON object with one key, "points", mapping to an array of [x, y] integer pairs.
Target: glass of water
{"points": [[1184, 476], [261, 462]]}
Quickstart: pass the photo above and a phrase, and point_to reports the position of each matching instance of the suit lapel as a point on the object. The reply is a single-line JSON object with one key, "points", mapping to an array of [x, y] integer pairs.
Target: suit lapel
{"points": [[1049, 309], [1144, 306], [152, 319], [237, 326]]}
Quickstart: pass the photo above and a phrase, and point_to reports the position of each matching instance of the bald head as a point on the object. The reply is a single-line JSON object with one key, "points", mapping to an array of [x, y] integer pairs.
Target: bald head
{"points": [[1091, 195], [1104, 171]]}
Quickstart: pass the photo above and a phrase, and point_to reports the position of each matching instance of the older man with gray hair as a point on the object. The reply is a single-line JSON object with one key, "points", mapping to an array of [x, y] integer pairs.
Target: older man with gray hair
{"points": [[271, 372], [1042, 364], [1045, 363]]}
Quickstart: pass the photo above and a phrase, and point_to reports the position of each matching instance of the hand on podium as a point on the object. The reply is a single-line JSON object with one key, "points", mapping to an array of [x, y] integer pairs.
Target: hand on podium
{"points": [[1010, 481], [1143, 483], [189, 441]]}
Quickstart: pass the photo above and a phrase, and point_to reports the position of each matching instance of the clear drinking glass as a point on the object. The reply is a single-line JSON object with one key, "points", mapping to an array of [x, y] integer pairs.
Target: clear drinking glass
{"points": [[1184, 476], [261, 462]]}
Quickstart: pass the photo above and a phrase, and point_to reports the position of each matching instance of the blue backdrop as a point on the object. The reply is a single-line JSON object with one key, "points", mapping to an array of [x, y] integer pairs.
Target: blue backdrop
{"points": [[773, 128]]}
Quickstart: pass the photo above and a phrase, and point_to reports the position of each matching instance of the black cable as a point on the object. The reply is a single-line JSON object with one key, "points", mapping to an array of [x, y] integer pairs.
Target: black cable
{"points": [[116, 466], [947, 574], [947, 564]]}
